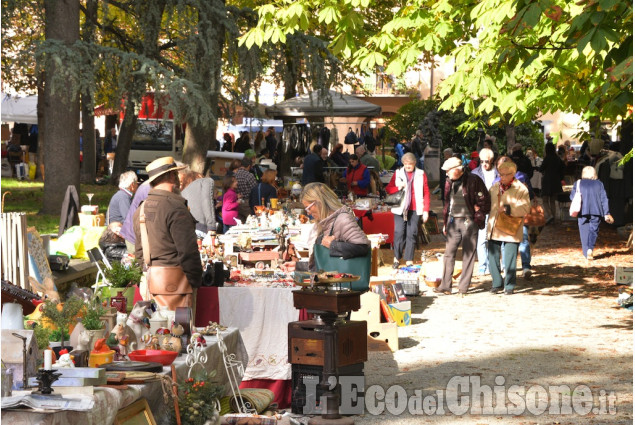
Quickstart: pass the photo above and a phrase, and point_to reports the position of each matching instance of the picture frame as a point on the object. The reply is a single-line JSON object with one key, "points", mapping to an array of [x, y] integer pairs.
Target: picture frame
{"points": [[400, 294], [138, 413], [379, 290], [432, 225]]}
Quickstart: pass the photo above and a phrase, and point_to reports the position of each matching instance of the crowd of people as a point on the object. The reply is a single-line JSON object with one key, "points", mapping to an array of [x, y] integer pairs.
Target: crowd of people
{"points": [[485, 199]]}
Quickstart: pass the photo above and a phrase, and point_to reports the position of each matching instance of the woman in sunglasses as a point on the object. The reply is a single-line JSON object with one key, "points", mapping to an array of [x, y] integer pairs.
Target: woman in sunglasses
{"points": [[335, 227]]}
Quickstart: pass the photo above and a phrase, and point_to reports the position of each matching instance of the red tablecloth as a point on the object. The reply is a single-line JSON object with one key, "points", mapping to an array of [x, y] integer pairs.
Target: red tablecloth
{"points": [[381, 222]]}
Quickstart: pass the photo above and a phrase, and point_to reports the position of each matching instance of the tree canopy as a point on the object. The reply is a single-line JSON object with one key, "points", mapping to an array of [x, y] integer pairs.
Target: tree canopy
{"points": [[514, 59]]}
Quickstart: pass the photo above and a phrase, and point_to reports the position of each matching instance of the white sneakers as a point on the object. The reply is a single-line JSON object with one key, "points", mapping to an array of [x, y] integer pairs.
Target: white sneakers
{"points": [[589, 254], [526, 273]]}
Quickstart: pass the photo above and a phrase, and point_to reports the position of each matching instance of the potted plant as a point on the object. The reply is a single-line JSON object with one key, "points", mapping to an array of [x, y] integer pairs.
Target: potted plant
{"points": [[62, 316], [122, 278], [92, 322]]}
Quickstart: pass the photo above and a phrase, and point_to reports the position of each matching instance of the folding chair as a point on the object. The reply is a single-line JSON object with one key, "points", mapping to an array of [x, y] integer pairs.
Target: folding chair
{"points": [[98, 258]]}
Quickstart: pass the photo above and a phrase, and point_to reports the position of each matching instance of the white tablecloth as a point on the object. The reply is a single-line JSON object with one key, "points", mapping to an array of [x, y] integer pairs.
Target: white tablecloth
{"points": [[262, 315]]}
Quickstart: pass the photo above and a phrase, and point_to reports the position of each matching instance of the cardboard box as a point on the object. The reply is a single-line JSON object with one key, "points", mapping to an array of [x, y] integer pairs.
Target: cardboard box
{"points": [[401, 313], [623, 275], [383, 337]]}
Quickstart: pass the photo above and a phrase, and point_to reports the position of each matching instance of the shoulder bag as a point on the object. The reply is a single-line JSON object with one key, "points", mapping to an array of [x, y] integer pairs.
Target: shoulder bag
{"points": [[576, 202], [358, 266], [395, 199], [168, 285], [505, 223]]}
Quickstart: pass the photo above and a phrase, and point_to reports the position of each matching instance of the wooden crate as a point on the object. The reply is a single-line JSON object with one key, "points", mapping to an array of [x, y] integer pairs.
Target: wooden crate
{"points": [[306, 343]]}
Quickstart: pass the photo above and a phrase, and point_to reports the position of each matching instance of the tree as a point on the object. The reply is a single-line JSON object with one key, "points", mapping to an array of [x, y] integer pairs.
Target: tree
{"points": [[513, 58], [61, 107]]}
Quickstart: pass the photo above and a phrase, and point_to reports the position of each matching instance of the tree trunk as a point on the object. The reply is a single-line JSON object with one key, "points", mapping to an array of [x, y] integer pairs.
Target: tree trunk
{"points": [[124, 141], [197, 140], [510, 134], [61, 111], [89, 162], [207, 72]]}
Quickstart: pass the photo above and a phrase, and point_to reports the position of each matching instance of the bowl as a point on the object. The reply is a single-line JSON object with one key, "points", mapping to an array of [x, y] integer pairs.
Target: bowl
{"points": [[160, 356]]}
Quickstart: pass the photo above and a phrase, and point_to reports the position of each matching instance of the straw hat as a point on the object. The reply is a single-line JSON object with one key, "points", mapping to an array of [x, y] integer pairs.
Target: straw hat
{"points": [[161, 166], [451, 163]]}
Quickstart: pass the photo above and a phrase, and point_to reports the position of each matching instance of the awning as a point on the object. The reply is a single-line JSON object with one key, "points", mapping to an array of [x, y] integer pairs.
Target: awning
{"points": [[310, 106], [19, 109]]}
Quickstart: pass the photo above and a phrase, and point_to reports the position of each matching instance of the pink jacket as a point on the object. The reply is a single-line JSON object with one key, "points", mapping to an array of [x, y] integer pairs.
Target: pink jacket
{"points": [[230, 207]]}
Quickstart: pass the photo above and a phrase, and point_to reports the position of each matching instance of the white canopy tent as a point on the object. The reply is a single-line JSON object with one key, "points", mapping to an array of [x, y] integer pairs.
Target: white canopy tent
{"points": [[19, 109]]}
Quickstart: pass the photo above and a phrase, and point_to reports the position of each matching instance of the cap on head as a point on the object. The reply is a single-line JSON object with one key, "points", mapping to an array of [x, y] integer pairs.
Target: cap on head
{"points": [[161, 166], [451, 163]]}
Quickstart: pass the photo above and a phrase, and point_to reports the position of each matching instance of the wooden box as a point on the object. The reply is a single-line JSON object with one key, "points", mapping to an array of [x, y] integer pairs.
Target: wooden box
{"points": [[321, 300], [306, 343]]}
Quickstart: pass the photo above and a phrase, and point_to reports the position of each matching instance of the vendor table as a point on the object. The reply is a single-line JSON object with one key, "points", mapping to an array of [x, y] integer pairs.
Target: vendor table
{"points": [[262, 316], [381, 222], [108, 401]]}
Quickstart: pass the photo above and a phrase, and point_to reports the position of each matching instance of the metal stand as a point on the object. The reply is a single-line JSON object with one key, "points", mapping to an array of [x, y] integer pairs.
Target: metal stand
{"points": [[332, 414], [45, 379]]}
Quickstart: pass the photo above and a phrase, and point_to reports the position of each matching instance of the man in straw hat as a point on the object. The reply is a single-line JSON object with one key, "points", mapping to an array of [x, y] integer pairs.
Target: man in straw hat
{"points": [[171, 236], [467, 201]]}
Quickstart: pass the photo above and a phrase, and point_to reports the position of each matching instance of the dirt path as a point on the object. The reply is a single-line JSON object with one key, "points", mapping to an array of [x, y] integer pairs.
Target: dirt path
{"points": [[561, 328]]}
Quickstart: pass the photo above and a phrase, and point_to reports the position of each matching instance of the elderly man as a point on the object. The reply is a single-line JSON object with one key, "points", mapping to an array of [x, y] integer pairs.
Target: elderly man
{"points": [[487, 172], [120, 201], [246, 181], [467, 202], [366, 158], [168, 236]]}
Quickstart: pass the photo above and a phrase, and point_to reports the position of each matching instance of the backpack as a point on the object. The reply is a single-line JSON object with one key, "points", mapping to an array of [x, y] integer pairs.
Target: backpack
{"points": [[350, 138]]}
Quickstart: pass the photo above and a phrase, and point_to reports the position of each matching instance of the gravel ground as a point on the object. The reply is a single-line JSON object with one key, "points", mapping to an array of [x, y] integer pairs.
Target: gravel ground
{"points": [[561, 328]]}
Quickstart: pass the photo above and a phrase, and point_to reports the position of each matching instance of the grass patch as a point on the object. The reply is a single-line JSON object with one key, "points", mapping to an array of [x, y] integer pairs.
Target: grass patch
{"points": [[26, 196]]}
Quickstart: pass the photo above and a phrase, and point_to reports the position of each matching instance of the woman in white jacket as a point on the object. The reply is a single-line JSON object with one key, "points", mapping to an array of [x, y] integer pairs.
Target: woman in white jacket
{"points": [[414, 204]]}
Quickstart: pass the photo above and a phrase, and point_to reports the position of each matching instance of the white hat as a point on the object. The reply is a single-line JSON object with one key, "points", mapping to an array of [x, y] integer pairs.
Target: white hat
{"points": [[161, 166], [451, 163]]}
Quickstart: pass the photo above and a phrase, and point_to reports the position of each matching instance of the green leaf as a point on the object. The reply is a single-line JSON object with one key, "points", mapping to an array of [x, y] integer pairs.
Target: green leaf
{"points": [[608, 4], [532, 16], [586, 39], [598, 42]]}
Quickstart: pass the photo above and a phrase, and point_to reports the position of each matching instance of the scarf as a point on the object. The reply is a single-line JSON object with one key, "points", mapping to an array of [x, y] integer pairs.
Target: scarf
{"points": [[407, 194], [504, 187]]}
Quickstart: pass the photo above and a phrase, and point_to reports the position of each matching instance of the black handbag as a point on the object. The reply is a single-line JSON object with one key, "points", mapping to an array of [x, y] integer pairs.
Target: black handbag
{"points": [[395, 198]]}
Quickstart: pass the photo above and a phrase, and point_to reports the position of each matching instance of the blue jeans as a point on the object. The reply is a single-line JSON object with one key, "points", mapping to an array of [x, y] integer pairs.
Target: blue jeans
{"points": [[481, 249], [509, 251], [226, 227], [525, 250]]}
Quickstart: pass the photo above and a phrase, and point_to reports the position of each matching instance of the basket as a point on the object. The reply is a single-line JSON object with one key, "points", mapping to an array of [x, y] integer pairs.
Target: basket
{"points": [[410, 288], [433, 283]]}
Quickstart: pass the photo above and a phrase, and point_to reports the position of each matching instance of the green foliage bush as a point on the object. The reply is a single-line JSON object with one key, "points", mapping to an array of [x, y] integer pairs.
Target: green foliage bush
{"points": [[122, 276]]}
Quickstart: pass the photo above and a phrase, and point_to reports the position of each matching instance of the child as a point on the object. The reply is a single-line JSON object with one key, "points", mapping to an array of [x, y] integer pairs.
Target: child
{"points": [[230, 202]]}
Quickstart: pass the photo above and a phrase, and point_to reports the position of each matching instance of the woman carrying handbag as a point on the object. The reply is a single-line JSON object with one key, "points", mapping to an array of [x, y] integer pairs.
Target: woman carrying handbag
{"points": [[414, 204], [510, 204], [594, 207]]}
